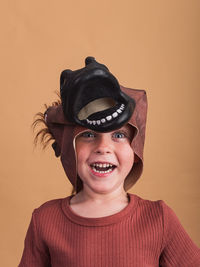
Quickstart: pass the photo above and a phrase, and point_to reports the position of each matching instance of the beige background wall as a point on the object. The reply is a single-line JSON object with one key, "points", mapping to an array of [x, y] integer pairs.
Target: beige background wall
{"points": [[150, 44]]}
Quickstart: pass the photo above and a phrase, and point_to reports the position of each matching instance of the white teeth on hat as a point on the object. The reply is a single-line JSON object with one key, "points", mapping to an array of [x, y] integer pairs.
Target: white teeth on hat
{"points": [[109, 117], [115, 114]]}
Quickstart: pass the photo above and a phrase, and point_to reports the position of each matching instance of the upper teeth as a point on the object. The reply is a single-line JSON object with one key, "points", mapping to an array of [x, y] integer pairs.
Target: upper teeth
{"points": [[102, 165], [109, 117], [97, 167]]}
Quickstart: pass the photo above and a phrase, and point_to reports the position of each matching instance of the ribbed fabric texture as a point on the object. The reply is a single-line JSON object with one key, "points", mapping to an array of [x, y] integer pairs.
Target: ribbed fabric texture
{"points": [[144, 234]]}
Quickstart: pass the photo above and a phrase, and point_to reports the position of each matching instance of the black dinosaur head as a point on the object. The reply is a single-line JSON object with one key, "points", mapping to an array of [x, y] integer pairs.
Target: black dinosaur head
{"points": [[92, 98]]}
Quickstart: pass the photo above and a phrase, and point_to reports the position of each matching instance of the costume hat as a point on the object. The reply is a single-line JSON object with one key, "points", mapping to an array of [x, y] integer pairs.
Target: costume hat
{"points": [[92, 98]]}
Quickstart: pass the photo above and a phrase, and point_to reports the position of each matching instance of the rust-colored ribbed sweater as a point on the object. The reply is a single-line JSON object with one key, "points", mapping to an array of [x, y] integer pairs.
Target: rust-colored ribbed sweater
{"points": [[144, 234]]}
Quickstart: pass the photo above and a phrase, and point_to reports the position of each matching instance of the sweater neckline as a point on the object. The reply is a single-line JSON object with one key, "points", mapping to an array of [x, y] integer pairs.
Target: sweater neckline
{"points": [[100, 221]]}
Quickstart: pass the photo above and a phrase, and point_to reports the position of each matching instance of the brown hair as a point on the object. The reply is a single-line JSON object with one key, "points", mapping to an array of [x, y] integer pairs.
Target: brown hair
{"points": [[43, 136]]}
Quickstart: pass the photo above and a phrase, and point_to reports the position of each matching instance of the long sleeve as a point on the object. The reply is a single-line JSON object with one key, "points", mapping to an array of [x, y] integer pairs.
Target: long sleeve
{"points": [[35, 253], [178, 248]]}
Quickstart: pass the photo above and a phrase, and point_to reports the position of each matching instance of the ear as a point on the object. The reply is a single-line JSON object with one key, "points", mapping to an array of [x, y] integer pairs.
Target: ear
{"points": [[64, 76], [56, 149], [89, 60]]}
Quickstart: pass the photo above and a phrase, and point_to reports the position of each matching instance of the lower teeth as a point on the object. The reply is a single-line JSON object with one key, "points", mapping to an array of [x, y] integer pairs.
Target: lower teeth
{"points": [[109, 170]]}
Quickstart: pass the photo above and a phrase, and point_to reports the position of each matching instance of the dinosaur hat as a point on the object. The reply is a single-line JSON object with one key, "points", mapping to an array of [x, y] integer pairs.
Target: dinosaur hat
{"points": [[92, 98]]}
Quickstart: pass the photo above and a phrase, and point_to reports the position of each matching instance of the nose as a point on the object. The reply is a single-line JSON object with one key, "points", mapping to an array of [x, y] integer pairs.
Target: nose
{"points": [[103, 145]]}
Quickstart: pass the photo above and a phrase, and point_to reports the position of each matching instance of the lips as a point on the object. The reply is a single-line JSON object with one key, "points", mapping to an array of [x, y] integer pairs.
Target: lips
{"points": [[102, 167]]}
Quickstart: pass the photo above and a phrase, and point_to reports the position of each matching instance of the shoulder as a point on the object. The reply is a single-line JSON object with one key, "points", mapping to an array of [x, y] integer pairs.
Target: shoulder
{"points": [[154, 213], [160, 210], [49, 204], [49, 211], [158, 207]]}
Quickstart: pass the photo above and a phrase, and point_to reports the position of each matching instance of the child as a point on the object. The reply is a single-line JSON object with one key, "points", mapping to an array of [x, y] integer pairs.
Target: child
{"points": [[99, 131]]}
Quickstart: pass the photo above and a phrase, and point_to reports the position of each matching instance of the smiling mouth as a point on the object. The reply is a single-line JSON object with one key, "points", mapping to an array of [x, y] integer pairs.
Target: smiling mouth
{"points": [[100, 111], [102, 167]]}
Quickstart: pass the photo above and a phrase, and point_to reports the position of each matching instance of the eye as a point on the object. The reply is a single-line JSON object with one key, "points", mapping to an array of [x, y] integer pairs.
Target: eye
{"points": [[119, 135], [88, 135]]}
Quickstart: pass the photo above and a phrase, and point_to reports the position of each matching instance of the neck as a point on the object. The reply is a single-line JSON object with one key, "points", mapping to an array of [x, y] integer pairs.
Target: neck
{"points": [[95, 205], [86, 195]]}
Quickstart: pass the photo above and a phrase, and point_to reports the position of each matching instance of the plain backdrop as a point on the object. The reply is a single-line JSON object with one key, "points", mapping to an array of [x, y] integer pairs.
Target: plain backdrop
{"points": [[147, 44]]}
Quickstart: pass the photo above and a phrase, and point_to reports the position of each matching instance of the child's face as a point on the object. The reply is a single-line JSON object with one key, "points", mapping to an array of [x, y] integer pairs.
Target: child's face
{"points": [[104, 159]]}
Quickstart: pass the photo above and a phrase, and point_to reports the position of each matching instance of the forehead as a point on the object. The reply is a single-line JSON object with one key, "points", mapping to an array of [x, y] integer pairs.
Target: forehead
{"points": [[126, 127]]}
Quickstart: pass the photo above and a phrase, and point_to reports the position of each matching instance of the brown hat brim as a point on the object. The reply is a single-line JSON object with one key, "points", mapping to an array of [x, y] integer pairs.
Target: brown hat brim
{"points": [[65, 133]]}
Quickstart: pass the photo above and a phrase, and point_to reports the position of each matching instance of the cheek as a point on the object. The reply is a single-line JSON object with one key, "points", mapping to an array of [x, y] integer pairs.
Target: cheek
{"points": [[80, 164], [82, 154], [127, 156], [79, 149], [79, 156]]}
